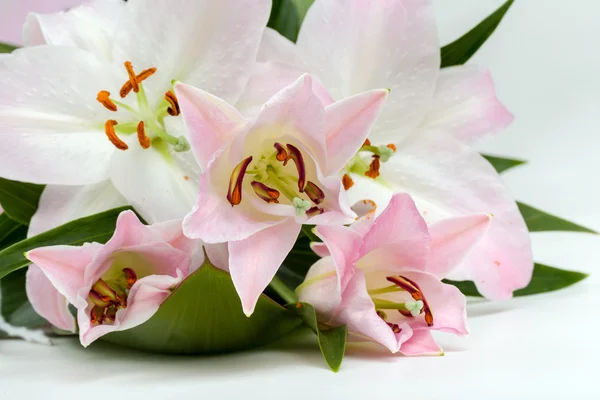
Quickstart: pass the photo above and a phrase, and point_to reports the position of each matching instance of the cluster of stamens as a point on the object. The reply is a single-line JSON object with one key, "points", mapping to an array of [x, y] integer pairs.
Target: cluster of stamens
{"points": [[134, 83], [270, 194], [108, 300], [410, 309], [379, 154]]}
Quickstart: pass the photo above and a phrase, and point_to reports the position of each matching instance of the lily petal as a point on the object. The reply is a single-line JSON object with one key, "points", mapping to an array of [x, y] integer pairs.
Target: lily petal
{"points": [[89, 26], [348, 123], [359, 45], [276, 47], [321, 288], [254, 261], [187, 38], [49, 133], [421, 343], [210, 121], [448, 304], [344, 245], [453, 239], [465, 105], [47, 301]]}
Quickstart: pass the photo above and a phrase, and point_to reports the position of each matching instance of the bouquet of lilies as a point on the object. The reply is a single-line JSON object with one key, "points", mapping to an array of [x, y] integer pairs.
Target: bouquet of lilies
{"points": [[200, 176]]}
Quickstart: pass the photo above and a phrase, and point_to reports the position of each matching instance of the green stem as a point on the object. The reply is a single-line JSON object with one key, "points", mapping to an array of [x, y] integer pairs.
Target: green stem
{"points": [[307, 229], [282, 290]]}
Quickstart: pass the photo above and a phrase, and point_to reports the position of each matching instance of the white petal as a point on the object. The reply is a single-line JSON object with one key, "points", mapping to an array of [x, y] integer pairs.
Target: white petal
{"points": [[355, 45], [90, 26], [51, 126], [159, 189], [208, 44], [276, 47], [61, 204]]}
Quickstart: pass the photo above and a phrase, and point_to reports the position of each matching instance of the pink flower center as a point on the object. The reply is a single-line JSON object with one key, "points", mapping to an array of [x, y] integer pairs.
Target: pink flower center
{"points": [[269, 180], [107, 299]]}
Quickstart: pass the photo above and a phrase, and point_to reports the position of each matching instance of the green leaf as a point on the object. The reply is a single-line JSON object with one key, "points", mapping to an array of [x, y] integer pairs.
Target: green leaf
{"points": [[462, 49], [20, 200], [7, 227], [545, 279], [16, 309], [287, 16], [204, 315], [297, 263], [539, 221], [503, 164], [96, 228], [7, 48], [332, 342]]}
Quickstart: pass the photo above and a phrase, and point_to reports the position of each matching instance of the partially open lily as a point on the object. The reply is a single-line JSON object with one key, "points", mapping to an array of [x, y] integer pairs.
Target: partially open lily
{"points": [[103, 106], [121, 284], [382, 277], [266, 177], [420, 144]]}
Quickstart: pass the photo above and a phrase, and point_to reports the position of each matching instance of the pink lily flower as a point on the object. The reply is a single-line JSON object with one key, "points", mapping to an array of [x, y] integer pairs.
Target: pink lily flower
{"points": [[121, 284], [266, 177], [382, 277], [421, 143]]}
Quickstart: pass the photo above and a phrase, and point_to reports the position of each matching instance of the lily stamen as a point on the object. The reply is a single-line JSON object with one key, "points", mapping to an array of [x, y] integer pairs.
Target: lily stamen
{"points": [[416, 293], [265, 193], [135, 85], [174, 109], [314, 192], [104, 99], [373, 171], [128, 87], [347, 182], [142, 138], [296, 156], [109, 128], [234, 193], [282, 155]]}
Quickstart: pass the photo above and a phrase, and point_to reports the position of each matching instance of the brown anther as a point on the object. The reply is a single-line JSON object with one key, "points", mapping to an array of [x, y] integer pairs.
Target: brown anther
{"points": [[392, 147], [97, 315], [416, 293], [174, 110], [296, 156], [395, 327], [314, 192], [265, 193], [367, 142], [313, 211], [104, 99], [127, 87], [234, 193], [105, 292], [373, 171], [100, 301], [109, 128], [132, 77], [142, 138], [282, 155], [347, 181], [131, 277], [110, 314]]}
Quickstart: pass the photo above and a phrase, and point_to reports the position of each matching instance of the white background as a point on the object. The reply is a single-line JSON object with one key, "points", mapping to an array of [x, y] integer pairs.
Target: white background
{"points": [[545, 58]]}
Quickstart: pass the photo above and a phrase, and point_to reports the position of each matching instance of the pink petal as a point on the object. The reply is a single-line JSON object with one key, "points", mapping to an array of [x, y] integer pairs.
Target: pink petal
{"points": [[447, 303], [421, 343], [65, 266], [321, 288], [358, 312], [349, 122], [320, 249], [47, 301], [210, 121], [465, 105], [449, 179], [398, 237], [254, 261], [453, 239], [359, 45], [344, 245]]}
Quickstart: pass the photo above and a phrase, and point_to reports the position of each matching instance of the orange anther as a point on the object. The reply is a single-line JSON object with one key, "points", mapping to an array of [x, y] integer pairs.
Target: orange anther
{"points": [[109, 128], [127, 87], [373, 171], [142, 138], [172, 99], [347, 181], [104, 99], [392, 146], [132, 77], [367, 142]]}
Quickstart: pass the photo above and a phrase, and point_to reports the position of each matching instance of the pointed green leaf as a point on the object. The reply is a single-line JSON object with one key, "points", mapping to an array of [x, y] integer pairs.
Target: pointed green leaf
{"points": [[16, 309], [302, 7], [287, 16], [545, 279], [539, 221], [462, 49], [96, 228], [6, 48], [332, 342], [503, 164], [7, 227], [20, 200], [204, 315]]}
